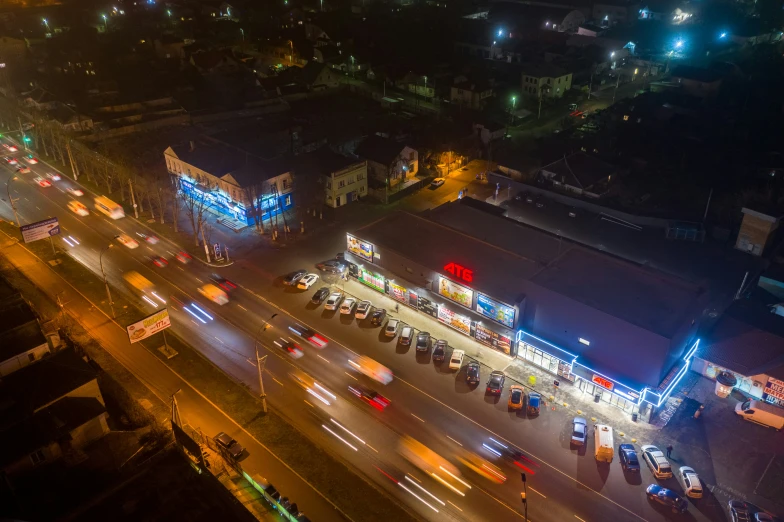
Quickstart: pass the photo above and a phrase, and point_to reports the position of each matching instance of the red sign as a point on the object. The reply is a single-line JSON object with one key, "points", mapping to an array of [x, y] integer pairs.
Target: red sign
{"points": [[460, 272], [601, 381]]}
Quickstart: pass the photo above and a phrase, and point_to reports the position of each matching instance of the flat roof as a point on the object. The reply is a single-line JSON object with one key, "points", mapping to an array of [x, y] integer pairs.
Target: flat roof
{"points": [[19, 340]]}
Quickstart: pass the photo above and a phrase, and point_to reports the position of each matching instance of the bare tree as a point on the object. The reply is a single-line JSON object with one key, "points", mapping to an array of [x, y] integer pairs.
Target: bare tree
{"points": [[195, 205], [253, 198]]}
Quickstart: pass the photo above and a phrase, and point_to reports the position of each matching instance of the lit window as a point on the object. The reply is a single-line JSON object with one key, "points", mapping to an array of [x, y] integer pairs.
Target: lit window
{"points": [[625, 117], [586, 342]]}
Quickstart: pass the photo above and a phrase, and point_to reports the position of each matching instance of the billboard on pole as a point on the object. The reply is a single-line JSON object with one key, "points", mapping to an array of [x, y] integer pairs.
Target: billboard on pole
{"points": [[40, 230], [148, 326]]}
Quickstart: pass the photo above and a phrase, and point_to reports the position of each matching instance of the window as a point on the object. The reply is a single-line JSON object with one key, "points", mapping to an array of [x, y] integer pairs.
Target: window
{"points": [[350, 180], [31, 356], [360, 176], [329, 184], [285, 183], [362, 188], [37, 457], [341, 183], [288, 201], [548, 81], [559, 81], [189, 172]]}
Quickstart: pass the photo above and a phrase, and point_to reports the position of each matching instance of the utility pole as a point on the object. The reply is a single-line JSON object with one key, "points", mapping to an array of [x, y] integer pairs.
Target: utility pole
{"points": [[133, 200], [108, 293], [11, 200], [175, 409], [21, 132], [261, 361], [523, 495], [590, 86], [617, 83], [707, 206], [74, 167]]}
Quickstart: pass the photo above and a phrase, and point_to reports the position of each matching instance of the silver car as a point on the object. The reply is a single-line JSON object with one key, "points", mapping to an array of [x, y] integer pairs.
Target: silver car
{"points": [[390, 330], [333, 301], [363, 309]]}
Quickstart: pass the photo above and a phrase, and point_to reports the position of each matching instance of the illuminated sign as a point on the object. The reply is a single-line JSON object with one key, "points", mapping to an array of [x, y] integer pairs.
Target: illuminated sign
{"points": [[359, 248], [496, 311], [490, 338], [372, 280], [456, 321], [398, 292], [601, 381], [455, 292], [460, 272]]}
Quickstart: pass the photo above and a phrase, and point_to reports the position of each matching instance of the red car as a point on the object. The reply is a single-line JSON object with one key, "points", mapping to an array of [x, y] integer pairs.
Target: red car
{"points": [[183, 257], [43, 182], [160, 262], [371, 397], [11, 161], [222, 282]]}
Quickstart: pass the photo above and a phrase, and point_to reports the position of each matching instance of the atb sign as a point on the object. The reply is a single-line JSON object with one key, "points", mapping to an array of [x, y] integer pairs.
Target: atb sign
{"points": [[148, 326], [40, 230]]}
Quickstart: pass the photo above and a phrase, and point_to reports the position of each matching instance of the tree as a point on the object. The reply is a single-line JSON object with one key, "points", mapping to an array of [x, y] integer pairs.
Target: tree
{"points": [[195, 204], [253, 199]]}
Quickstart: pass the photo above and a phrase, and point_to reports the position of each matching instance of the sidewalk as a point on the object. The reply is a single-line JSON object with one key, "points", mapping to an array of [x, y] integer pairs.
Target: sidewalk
{"points": [[195, 409]]}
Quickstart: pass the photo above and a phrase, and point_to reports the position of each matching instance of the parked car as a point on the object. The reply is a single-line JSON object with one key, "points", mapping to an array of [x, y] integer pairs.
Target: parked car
{"points": [[496, 382], [333, 301], [689, 481], [406, 335], [391, 328], [363, 309], [333, 266], [741, 511], [307, 281], [230, 445], [378, 316], [516, 397], [437, 182], [472, 372], [320, 295], [292, 278], [579, 431], [667, 498], [628, 457], [656, 461], [423, 342], [439, 351], [347, 308], [534, 402], [456, 359]]}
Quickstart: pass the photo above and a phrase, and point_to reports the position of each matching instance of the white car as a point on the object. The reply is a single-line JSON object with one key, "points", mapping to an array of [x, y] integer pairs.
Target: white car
{"points": [[54, 176], [437, 182], [78, 208], [347, 308], [75, 192], [690, 482], [456, 361], [127, 241], [391, 328], [655, 459], [307, 281], [363, 309], [333, 301], [31, 160]]}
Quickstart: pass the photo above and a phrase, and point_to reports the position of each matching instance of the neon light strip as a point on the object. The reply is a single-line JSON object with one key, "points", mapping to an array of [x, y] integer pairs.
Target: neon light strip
{"points": [[549, 344]]}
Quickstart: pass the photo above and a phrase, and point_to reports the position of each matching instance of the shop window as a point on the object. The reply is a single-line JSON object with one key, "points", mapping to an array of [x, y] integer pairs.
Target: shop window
{"points": [[37, 457], [288, 200]]}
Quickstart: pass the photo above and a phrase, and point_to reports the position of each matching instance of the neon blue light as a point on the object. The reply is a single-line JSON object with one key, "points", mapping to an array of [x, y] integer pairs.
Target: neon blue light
{"points": [[549, 344], [640, 392], [691, 352]]}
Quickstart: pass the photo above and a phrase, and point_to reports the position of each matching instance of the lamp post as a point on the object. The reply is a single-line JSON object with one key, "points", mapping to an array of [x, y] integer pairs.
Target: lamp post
{"points": [[46, 23], [511, 110], [106, 284], [261, 361], [11, 200], [524, 495], [105, 23]]}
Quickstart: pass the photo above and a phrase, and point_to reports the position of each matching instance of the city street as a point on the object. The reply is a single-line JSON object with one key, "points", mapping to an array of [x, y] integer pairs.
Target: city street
{"points": [[428, 402]]}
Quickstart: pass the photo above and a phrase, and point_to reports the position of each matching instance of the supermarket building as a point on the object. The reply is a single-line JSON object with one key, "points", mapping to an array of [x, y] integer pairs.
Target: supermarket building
{"points": [[619, 331]]}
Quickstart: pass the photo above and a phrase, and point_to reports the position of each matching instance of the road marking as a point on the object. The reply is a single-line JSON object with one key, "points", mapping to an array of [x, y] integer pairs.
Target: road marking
{"points": [[578, 518], [320, 357], [455, 506], [250, 362], [371, 447], [309, 404], [351, 376], [418, 418], [199, 280], [194, 322], [413, 477], [179, 267], [453, 440], [240, 306], [532, 489], [39, 208], [277, 381], [219, 340]]}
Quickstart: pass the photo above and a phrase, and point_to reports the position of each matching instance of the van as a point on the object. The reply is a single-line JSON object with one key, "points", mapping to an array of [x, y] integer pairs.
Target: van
{"points": [[761, 413], [214, 294], [603, 442]]}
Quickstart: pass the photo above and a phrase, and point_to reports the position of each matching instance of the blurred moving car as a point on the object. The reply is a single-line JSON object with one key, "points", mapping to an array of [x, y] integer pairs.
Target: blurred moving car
{"points": [[289, 346], [628, 456], [472, 372], [439, 351], [363, 309], [43, 182], [127, 240], [496, 382], [26, 170], [222, 282], [214, 294], [78, 208], [456, 360], [516, 397], [307, 281], [291, 278], [482, 467], [75, 192], [54, 176], [230, 445], [370, 396], [309, 335], [373, 369], [153, 240], [183, 257], [320, 295], [30, 159], [159, 261], [377, 316], [333, 301], [667, 498], [579, 431]]}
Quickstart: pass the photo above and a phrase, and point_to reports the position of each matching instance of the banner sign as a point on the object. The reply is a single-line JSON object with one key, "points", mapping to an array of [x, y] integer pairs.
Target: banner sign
{"points": [[360, 248], [455, 292], [495, 310], [372, 280], [490, 338], [398, 293], [774, 389], [458, 322], [40, 230], [148, 326], [427, 306]]}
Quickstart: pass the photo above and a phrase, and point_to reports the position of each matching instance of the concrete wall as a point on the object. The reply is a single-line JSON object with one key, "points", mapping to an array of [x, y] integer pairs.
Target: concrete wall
{"points": [[89, 389], [20, 361]]}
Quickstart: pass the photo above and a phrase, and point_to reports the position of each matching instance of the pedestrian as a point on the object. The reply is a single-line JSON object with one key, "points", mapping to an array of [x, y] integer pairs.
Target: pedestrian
{"points": [[669, 451], [397, 308]]}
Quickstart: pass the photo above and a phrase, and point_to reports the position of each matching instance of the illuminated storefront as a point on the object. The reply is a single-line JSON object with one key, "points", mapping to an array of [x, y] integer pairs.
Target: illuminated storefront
{"points": [[220, 202]]}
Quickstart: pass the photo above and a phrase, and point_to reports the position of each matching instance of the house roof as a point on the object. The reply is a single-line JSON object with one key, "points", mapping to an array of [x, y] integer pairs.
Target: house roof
{"points": [[208, 60], [378, 149], [209, 156], [306, 76], [543, 70], [47, 426], [20, 339], [580, 170], [698, 74], [15, 313], [747, 339], [322, 162], [27, 390]]}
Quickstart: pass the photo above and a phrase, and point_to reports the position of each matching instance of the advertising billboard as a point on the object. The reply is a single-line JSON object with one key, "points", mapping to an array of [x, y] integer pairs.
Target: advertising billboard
{"points": [[455, 292], [40, 230], [372, 280], [398, 293], [458, 322], [493, 339], [495, 310], [148, 326], [359, 248], [427, 306]]}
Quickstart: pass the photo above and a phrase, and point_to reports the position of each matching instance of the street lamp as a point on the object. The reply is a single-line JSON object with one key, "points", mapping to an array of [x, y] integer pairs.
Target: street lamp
{"points": [[11, 200], [524, 494], [105, 22], [106, 284], [48, 29], [261, 361]]}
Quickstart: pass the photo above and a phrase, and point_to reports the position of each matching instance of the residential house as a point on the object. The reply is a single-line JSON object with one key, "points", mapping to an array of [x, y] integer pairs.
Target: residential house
{"points": [[21, 340], [170, 47], [12, 50], [752, 32], [343, 179], [69, 120], [388, 161], [545, 80], [489, 130], [56, 418], [235, 183], [214, 62], [756, 230], [608, 13], [580, 173], [472, 95], [39, 99], [697, 81], [313, 77], [417, 84]]}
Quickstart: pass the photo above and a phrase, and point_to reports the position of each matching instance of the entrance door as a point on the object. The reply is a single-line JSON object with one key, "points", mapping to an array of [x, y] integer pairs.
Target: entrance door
{"points": [[337, 201]]}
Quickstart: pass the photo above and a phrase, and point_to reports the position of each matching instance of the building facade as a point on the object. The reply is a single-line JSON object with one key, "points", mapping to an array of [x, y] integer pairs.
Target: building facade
{"points": [[346, 185], [546, 81]]}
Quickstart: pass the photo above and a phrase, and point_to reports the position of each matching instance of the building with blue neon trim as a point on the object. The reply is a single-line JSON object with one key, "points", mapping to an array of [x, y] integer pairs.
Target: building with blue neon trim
{"points": [[617, 330]]}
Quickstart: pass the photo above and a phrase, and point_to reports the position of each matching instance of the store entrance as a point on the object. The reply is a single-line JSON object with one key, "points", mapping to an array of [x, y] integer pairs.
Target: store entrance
{"points": [[606, 396]]}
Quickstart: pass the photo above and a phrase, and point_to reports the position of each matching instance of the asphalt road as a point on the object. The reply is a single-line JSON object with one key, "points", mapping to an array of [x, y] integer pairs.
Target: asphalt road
{"points": [[428, 402]]}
